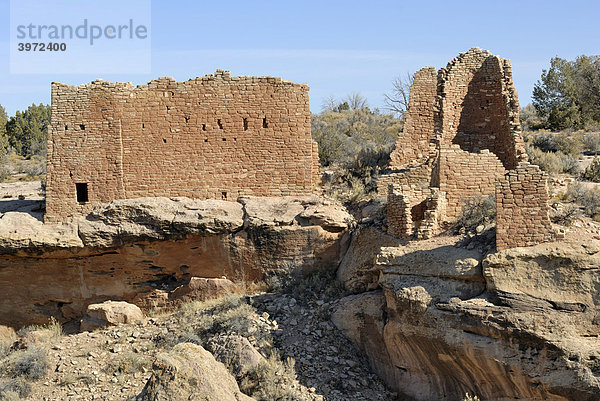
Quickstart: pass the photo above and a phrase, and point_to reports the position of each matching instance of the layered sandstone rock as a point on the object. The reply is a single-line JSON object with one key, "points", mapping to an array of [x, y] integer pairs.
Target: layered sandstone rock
{"points": [[134, 249], [532, 335], [202, 289]]}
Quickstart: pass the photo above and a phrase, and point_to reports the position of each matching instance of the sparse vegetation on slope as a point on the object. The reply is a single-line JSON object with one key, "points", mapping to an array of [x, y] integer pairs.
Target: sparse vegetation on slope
{"points": [[354, 144]]}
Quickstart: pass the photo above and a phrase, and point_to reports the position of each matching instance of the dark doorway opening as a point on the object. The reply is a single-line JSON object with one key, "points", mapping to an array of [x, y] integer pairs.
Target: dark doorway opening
{"points": [[82, 192]]}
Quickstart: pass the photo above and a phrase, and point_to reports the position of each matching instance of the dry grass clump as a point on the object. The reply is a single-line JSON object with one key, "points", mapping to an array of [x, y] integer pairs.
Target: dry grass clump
{"points": [[565, 215], [50, 331], [476, 211], [7, 339], [553, 162], [129, 364], [230, 314], [272, 380]]}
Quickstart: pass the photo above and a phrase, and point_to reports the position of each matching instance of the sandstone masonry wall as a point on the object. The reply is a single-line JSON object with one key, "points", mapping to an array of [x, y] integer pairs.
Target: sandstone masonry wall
{"points": [[465, 174], [418, 177], [478, 106], [462, 134], [522, 208], [419, 123], [211, 137]]}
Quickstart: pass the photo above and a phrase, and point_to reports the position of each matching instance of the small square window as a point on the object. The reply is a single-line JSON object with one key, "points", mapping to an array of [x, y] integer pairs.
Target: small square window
{"points": [[82, 192]]}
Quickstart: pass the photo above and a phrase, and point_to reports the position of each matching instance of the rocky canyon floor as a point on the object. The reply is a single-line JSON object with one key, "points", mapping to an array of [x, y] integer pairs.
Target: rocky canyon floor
{"points": [[278, 345]]}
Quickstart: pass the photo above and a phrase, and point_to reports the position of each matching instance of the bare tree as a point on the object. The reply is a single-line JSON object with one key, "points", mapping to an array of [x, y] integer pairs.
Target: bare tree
{"points": [[329, 103], [397, 100], [356, 101]]}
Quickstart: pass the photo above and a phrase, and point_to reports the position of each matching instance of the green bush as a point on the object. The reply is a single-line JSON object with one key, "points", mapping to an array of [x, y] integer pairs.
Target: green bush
{"points": [[566, 96], [530, 119], [563, 142], [27, 131]]}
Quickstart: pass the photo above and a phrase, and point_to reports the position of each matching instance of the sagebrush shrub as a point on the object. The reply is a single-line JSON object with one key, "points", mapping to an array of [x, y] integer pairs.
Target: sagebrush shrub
{"points": [[31, 364], [592, 173], [14, 389], [588, 198], [477, 210], [553, 162]]}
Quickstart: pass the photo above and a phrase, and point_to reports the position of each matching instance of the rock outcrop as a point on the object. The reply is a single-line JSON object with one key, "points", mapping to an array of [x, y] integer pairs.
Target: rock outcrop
{"points": [[201, 289], [133, 249], [523, 324], [189, 372]]}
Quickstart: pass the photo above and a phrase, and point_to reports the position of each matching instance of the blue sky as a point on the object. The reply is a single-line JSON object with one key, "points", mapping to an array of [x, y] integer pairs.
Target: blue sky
{"points": [[337, 47]]}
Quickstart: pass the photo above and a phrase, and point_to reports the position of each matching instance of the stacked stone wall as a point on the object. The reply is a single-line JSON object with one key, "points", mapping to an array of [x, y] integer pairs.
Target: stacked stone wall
{"points": [[465, 174], [477, 106], [458, 141], [211, 137], [415, 139], [418, 177], [522, 208]]}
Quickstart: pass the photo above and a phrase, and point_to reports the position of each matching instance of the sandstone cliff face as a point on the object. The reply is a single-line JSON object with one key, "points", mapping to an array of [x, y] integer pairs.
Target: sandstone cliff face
{"points": [[520, 324], [129, 248]]}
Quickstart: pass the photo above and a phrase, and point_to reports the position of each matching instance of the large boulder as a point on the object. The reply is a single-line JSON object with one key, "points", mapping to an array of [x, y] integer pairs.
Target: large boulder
{"points": [[190, 373], [110, 313], [562, 273], [441, 269], [202, 289], [237, 353], [22, 231], [358, 271]]}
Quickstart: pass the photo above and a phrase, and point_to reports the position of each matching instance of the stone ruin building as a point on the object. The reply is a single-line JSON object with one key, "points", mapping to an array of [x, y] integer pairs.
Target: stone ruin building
{"points": [[462, 137], [211, 137]]}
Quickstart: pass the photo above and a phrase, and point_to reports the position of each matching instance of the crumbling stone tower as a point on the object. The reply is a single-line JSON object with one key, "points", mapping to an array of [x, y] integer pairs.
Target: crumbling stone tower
{"points": [[462, 137], [211, 137]]}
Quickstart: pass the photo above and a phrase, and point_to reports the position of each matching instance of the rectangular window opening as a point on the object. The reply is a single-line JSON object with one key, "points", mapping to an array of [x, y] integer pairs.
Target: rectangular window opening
{"points": [[82, 126], [203, 127], [82, 192], [220, 124], [224, 195], [265, 124], [245, 124]]}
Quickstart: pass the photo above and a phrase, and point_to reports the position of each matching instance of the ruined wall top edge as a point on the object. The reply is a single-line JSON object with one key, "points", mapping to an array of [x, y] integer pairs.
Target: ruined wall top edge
{"points": [[170, 82]]}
